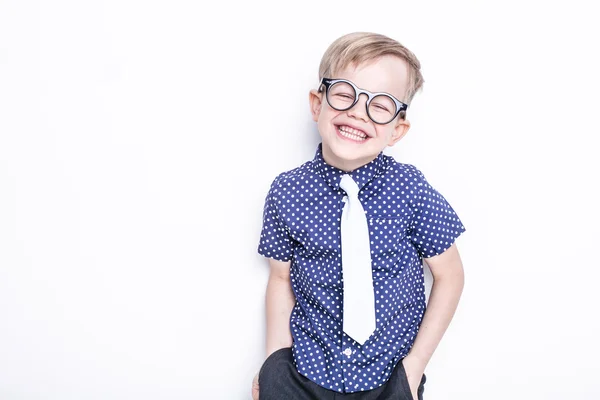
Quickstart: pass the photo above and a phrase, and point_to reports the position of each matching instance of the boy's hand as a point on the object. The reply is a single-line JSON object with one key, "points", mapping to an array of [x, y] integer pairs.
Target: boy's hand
{"points": [[255, 387], [414, 369]]}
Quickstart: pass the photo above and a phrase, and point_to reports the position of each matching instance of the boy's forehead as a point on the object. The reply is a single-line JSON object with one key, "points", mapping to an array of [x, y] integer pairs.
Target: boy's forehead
{"points": [[384, 74]]}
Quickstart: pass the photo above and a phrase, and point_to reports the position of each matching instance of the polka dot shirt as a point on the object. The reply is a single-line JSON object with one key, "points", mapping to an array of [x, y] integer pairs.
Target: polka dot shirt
{"points": [[407, 220]]}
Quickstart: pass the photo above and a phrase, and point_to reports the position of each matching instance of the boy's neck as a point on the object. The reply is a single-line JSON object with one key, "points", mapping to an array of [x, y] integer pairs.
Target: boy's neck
{"points": [[344, 165]]}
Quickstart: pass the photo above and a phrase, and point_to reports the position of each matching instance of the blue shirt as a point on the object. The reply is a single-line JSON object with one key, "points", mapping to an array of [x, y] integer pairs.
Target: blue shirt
{"points": [[407, 219]]}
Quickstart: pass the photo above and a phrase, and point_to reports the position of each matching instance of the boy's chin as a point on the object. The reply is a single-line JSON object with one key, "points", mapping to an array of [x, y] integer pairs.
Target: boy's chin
{"points": [[353, 151]]}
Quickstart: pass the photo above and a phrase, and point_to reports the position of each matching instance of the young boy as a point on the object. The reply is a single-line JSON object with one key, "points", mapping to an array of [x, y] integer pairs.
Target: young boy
{"points": [[346, 235]]}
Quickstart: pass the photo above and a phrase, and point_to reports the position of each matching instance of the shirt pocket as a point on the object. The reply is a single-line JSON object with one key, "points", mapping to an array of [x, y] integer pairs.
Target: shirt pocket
{"points": [[388, 237]]}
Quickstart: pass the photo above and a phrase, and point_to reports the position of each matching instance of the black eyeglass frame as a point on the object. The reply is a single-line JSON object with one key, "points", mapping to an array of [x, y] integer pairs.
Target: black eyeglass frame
{"points": [[328, 82]]}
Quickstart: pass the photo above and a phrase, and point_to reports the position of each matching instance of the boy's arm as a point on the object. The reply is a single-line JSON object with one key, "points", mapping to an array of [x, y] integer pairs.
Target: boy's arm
{"points": [[279, 303], [448, 281]]}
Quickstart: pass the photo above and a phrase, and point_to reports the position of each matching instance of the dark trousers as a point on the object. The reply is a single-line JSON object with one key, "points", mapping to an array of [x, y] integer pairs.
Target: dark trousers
{"points": [[278, 379]]}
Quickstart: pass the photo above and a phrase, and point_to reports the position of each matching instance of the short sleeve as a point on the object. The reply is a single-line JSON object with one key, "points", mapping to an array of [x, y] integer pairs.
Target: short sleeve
{"points": [[275, 241], [435, 225]]}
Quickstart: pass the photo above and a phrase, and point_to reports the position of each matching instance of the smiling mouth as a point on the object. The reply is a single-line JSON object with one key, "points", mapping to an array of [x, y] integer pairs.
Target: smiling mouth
{"points": [[351, 133]]}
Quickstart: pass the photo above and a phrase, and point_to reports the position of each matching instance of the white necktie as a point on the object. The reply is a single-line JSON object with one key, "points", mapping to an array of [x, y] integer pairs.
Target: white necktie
{"points": [[359, 297]]}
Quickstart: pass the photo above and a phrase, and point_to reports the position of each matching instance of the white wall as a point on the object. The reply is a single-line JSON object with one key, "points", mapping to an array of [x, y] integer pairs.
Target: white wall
{"points": [[138, 140]]}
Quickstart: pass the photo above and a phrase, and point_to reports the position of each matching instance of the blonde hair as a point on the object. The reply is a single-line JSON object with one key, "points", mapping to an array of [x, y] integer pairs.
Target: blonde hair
{"points": [[359, 47]]}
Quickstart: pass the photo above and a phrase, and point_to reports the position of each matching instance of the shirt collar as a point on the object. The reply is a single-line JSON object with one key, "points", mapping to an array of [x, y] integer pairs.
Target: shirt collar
{"points": [[333, 175]]}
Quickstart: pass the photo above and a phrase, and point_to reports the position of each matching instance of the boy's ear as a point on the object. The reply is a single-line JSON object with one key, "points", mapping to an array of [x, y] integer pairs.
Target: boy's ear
{"points": [[401, 129], [315, 98]]}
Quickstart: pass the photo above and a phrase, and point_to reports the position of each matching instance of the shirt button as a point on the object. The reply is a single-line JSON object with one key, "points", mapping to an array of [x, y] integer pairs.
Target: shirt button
{"points": [[348, 351]]}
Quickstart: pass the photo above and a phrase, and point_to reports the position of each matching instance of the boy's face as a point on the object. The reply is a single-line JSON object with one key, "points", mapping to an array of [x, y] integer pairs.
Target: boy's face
{"points": [[350, 138]]}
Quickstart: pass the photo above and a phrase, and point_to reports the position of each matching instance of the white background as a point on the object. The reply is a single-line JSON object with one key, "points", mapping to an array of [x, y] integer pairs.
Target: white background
{"points": [[138, 140]]}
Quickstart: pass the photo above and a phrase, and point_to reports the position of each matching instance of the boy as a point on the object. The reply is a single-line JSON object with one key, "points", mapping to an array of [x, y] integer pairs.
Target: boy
{"points": [[346, 235]]}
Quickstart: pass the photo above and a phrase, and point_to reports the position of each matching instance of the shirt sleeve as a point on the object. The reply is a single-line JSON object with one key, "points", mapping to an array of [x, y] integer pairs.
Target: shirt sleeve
{"points": [[275, 241], [435, 225]]}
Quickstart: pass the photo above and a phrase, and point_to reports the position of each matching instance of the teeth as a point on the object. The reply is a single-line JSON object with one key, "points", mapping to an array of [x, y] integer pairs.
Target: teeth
{"points": [[352, 133]]}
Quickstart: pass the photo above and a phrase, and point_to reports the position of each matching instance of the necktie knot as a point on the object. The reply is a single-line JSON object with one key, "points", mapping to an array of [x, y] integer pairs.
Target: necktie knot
{"points": [[349, 186]]}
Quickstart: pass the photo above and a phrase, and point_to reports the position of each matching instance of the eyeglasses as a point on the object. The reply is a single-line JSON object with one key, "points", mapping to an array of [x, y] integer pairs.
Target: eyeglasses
{"points": [[342, 95]]}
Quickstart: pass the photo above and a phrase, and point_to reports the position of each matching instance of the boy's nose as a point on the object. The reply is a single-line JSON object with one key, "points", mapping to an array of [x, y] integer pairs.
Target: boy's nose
{"points": [[359, 110]]}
